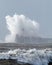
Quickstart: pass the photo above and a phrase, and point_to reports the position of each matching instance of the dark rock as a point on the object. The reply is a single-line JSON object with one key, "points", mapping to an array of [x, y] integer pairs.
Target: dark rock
{"points": [[11, 62], [50, 63]]}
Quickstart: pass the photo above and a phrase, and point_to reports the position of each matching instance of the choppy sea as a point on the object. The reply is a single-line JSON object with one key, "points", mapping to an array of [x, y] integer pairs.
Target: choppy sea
{"points": [[33, 56]]}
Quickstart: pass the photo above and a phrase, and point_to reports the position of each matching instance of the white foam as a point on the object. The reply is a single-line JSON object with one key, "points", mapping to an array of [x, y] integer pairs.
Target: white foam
{"points": [[33, 56]]}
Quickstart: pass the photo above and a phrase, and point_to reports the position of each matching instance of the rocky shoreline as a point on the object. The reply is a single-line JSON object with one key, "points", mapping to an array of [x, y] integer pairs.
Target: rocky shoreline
{"points": [[14, 62], [11, 62]]}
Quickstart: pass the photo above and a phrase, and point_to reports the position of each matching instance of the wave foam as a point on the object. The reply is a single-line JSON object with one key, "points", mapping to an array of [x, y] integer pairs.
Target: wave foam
{"points": [[33, 56]]}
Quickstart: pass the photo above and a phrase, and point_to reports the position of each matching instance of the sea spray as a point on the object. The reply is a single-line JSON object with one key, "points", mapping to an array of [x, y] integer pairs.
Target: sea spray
{"points": [[22, 26], [32, 56]]}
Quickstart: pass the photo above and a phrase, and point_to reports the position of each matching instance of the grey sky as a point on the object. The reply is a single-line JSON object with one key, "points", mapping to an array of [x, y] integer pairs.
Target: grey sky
{"points": [[39, 10]]}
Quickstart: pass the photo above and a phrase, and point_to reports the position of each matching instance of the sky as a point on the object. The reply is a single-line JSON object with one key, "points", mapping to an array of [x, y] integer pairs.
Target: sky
{"points": [[38, 10]]}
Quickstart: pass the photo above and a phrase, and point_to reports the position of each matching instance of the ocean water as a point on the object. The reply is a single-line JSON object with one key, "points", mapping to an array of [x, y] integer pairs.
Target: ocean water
{"points": [[33, 56]]}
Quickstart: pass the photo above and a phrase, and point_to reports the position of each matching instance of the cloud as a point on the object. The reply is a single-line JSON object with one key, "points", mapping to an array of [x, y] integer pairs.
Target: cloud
{"points": [[20, 25]]}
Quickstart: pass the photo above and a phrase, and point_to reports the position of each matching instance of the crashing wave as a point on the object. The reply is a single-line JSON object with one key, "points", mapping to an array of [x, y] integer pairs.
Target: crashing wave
{"points": [[32, 56]]}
